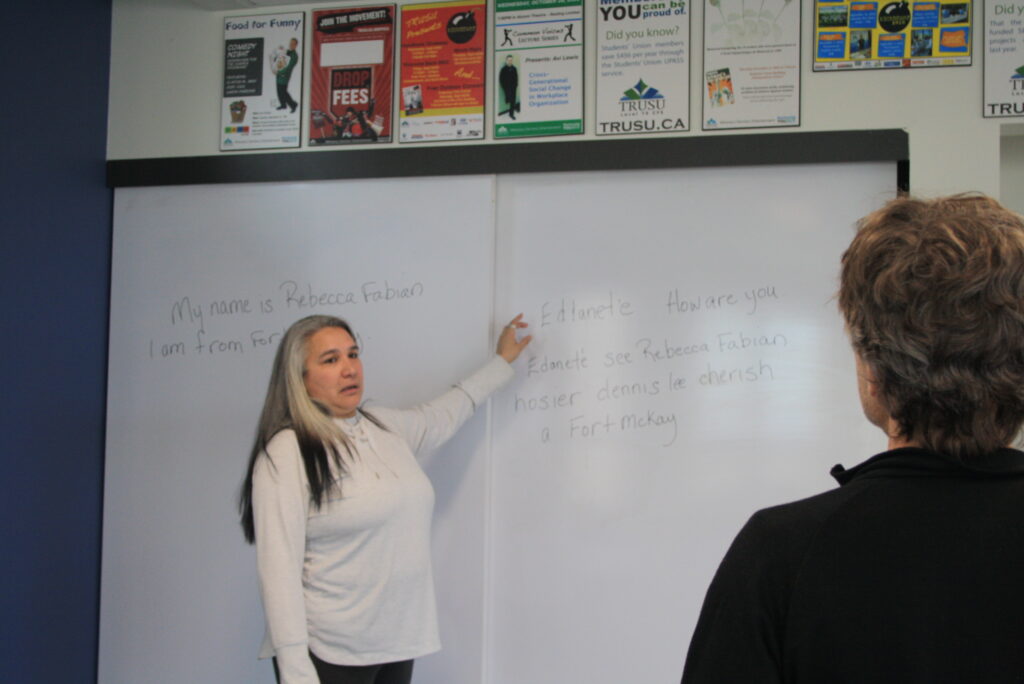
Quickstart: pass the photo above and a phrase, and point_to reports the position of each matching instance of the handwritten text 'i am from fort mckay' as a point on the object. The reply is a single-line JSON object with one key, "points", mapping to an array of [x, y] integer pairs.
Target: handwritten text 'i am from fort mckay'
{"points": [[291, 296]]}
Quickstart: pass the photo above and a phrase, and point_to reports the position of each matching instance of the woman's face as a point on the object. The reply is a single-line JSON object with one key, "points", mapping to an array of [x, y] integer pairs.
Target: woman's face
{"points": [[334, 373]]}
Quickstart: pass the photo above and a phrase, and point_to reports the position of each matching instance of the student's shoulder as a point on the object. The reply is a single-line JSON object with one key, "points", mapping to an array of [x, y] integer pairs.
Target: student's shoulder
{"points": [[793, 526], [808, 508]]}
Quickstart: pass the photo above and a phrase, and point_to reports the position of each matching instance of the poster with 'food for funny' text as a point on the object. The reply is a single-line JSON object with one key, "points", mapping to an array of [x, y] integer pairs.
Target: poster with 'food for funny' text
{"points": [[260, 102]]}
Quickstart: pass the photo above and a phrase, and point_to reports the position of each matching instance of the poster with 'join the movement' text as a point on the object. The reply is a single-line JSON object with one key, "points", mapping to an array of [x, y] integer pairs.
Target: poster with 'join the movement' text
{"points": [[260, 102], [643, 66], [538, 60], [751, 73], [352, 76], [441, 87]]}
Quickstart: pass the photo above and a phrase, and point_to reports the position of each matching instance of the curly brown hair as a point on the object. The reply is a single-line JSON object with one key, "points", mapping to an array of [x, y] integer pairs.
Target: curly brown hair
{"points": [[933, 296]]}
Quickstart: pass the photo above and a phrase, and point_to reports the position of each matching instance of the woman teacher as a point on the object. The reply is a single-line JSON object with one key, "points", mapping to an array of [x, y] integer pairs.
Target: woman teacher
{"points": [[340, 510]]}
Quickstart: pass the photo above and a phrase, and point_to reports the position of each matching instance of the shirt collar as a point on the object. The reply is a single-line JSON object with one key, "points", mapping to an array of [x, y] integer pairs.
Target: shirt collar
{"points": [[917, 462], [350, 426]]}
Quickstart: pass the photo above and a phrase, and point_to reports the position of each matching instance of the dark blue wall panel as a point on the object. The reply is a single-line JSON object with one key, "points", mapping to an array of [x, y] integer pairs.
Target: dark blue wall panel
{"points": [[55, 288]]}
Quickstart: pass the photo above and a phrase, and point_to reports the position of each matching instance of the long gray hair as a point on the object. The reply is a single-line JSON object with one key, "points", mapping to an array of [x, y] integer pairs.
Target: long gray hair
{"points": [[289, 406]]}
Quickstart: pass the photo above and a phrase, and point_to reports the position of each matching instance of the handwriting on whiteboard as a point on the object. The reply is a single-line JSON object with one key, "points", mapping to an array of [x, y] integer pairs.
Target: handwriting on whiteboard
{"points": [[227, 316], [591, 381]]}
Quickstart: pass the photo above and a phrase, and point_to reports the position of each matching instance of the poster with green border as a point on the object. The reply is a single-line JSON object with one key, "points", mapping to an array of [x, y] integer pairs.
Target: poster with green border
{"points": [[538, 47]]}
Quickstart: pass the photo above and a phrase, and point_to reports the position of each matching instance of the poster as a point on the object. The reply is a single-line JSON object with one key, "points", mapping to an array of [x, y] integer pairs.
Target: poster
{"points": [[1004, 59], [891, 35], [643, 66], [751, 73], [441, 87], [260, 103], [352, 76], [538, 60]]}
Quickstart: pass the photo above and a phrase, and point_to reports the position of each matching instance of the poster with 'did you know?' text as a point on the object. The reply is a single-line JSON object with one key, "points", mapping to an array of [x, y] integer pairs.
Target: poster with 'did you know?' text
{"points": [[643, 57], [1004, 59]]}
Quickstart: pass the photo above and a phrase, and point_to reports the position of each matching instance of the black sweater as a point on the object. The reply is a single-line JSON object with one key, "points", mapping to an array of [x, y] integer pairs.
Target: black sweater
{"points": [[912, 571]]}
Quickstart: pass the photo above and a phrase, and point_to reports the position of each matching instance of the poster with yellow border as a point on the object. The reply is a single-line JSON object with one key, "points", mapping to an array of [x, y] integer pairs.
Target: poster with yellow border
{"points": [[855, 34], [441, 83]]}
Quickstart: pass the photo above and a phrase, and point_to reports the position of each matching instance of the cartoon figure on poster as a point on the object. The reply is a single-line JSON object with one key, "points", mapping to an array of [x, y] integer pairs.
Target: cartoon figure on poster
{"points": [[282, 64], [508, 79]]}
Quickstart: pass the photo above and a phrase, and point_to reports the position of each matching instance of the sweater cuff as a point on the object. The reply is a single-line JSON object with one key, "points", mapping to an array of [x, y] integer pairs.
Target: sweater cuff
{"points": [[487, 380], [295, 665]]}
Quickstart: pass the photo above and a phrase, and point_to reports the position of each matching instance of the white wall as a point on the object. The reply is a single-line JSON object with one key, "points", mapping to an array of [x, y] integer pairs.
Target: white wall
{"points": [[1011, 172], [166, 66]]}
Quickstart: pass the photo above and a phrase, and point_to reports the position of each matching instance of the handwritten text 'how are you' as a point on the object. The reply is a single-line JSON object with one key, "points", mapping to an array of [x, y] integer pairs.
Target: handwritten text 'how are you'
{"points": [[197, 317], [569, 310]]}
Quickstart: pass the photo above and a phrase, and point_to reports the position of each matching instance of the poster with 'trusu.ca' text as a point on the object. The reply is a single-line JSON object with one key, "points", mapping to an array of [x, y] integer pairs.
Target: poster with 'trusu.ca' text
{"points": [[643, 66]]}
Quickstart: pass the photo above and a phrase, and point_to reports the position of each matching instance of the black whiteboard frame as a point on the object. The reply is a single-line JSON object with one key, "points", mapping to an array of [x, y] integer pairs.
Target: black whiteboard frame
{"points": [[597, 155]]}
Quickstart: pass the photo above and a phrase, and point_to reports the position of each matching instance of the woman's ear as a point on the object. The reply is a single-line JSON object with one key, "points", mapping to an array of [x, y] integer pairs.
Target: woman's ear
{"points": [[866, 374]]}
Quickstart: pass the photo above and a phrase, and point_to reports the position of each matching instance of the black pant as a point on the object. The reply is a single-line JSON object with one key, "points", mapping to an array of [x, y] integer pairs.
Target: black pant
{"points": [[385, 673], [284, 97], [510, 98]]}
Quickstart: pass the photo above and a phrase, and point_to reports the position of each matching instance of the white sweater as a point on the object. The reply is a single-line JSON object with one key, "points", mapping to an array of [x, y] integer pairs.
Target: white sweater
{"points": [[352, 581]]}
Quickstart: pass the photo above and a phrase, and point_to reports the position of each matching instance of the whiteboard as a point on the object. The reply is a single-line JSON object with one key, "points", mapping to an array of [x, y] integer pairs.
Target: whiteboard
{"points": [[408, 262], [689, 367], [566, 548]]}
